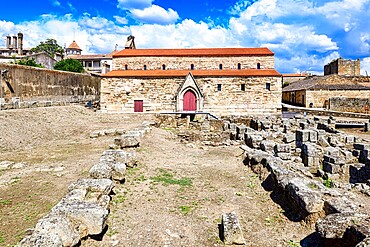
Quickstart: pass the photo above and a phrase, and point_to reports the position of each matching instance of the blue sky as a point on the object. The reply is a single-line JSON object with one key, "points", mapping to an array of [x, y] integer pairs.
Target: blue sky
{"points": [[303, 34]]}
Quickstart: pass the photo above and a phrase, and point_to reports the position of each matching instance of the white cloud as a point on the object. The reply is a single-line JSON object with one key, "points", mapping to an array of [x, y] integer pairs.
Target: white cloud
{"points": [[311, 63], [134, 4], [155, 14], [120, 19], [305, 35], [56, 3], [182, 35], [145, 12], [7, 27], [93, 34], [365, 66], [95, 22], [71, 7]]}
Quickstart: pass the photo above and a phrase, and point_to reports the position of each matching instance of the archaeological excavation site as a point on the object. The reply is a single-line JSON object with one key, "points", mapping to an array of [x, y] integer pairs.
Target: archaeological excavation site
{"points": [[71, 176], [184, 147]]}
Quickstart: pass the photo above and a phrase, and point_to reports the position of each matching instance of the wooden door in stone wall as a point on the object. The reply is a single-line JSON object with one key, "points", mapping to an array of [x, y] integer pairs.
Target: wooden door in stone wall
{"points": [[138, 106], [190, 101]]}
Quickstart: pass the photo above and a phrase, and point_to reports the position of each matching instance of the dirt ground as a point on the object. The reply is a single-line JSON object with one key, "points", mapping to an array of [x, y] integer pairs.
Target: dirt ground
{"points": [[174, 197], [55, 147]]}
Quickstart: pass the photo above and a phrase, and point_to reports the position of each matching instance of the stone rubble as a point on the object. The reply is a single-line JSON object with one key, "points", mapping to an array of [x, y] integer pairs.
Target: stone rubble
{"points": [[231, 229], [296, 154], [84, 210]]}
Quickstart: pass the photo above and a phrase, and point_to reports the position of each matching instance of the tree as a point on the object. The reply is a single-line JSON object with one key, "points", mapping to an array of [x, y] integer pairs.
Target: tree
{"points": [[50, 46], [28, 62], [69, 64]]}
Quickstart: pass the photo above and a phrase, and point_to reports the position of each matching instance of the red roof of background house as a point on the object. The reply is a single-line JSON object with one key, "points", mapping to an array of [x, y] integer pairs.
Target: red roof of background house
{"points": [[194, 52], [74, 45], [295, 75], [174, 73], [93, 56]]}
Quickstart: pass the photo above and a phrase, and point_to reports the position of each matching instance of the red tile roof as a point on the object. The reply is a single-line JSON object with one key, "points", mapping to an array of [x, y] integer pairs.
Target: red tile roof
{"points": [[197, 73], [92, 56], [74, 45], [195, 52], [295, 75]]}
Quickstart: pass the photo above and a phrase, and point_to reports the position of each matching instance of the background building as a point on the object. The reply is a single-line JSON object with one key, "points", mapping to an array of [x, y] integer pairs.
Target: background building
{"points": [[342, 66], [94, 63], [317, 91], [222, 81]]}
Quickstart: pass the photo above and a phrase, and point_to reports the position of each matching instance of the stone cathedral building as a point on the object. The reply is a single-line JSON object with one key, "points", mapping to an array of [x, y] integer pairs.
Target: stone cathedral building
{"points": [[221, 81]]}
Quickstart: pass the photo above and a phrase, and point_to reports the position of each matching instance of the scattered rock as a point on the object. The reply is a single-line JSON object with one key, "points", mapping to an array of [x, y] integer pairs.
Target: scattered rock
{"points": [[231, 230]]}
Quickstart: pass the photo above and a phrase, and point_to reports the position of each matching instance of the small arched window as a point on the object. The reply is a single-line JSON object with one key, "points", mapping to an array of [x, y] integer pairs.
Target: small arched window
{"points": [[220, 66], [163, 67], [258, 66], [144, 67], [192, 66], [239, 66], [126, 67]]}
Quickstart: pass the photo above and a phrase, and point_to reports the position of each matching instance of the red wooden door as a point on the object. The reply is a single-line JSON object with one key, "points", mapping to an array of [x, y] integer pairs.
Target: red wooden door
{"points": [[190, 101], [138, 106]]}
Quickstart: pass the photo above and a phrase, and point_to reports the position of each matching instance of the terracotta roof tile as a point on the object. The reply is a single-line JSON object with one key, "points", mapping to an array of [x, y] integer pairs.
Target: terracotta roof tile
{"points": [[295, 75], [197, 73], [195, 52], [74, 45], [91, 56]]}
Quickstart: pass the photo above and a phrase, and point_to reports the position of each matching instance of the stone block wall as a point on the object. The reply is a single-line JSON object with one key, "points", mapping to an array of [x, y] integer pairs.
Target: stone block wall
{"points": [[343, 67], [200, 63], [322, 98], [31, 84], [160, 94], [318, 97], [345, 104]]}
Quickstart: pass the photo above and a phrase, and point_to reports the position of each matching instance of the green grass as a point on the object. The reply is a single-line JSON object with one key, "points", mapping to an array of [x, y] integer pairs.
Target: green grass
{"points": [[167, 178], [119, 199], [2, 238], [111, 232], [238, 193], [328, 183], [312, 185], [5, 202], [185, 209], [293, 243]]}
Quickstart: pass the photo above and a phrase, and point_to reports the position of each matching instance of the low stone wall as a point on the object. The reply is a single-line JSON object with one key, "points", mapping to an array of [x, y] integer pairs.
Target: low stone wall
{"points": [[24, 86], [318, 112], [344, 104]]}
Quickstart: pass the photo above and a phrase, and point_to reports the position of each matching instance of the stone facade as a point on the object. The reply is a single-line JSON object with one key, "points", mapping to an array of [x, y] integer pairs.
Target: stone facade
{"points": [[223, 84], [160, 94], [200, 63], [342, 66]]}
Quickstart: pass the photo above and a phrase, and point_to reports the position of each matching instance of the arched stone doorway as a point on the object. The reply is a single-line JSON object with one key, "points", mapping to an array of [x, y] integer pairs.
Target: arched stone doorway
{"points": [[189, 96], [190, 101]]}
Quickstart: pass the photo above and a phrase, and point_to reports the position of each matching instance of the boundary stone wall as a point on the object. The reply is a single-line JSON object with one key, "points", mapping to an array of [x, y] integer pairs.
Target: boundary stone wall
{"points": [[27, 86], [344, 104]]}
